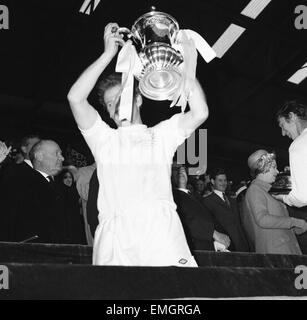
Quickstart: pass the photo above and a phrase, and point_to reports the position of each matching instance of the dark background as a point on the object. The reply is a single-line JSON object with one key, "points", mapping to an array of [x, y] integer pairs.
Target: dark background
{"points": [[49, 43]]}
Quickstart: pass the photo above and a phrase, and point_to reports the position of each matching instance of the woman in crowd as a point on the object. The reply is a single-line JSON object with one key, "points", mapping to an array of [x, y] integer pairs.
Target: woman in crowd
{"points": [[266, 220], [74, 219]]}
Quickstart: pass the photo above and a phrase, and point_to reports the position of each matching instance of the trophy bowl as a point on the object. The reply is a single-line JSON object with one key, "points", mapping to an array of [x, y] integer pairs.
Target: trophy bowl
{"points": [[153, 35]]}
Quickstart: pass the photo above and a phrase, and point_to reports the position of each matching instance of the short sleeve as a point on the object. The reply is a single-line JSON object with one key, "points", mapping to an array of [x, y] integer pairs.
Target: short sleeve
{"points": [[97, 135], [171, 132]]}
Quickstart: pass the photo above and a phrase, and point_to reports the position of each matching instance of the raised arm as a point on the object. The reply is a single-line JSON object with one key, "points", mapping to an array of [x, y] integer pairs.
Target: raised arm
{"points": [[84, 113], [199, 111]]}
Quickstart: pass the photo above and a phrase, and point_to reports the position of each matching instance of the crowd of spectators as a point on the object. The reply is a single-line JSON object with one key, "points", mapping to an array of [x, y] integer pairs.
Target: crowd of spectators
{"points": [[45, 201]]}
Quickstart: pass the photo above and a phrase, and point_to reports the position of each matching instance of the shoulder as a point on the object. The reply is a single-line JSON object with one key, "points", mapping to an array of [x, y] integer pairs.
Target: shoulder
{"points": [[166, 124], [209, 199], [254, 192], [299, 144], [178, 193], [37, 177], [97, 126]]}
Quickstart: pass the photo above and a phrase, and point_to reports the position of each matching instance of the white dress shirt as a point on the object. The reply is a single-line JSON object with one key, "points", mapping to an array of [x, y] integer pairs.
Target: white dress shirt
{"points": [[220, 194], [45, 175], [184, 190], [298, 169], [28, 162]]}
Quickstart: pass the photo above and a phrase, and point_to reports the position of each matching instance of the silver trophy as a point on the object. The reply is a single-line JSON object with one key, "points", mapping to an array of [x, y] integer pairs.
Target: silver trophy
{"points": [[153, 36]]}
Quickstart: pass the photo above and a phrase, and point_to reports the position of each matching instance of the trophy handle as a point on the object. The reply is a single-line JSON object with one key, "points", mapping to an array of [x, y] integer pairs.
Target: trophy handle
{"points": [[131, 36]]}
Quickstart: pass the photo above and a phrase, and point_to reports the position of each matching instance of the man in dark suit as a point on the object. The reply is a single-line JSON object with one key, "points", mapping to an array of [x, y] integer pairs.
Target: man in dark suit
{"points": [[32, 207], [196, 220], [91, 205], [14, 182], [225, 212]]}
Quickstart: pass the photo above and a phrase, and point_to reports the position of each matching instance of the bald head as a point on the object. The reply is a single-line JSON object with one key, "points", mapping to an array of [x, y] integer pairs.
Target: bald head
{"points": [[46, 156]]}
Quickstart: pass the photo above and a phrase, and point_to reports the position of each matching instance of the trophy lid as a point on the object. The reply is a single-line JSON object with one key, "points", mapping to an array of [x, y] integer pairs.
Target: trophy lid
{"points": [[153, 17]]}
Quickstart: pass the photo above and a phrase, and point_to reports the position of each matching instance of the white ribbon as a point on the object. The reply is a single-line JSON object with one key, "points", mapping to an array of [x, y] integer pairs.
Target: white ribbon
{"points": [[129, 64], [187, 43], [201, 44]]}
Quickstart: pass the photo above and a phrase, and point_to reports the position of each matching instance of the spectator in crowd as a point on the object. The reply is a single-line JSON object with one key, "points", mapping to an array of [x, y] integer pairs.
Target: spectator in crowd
{"points": [[26, 145], [18, 170], [199, 187], [196, 219], [292, 119], [190, 187], [240, 192], [31, 207], [225, 212], [266, 220], [138, 223], [72, 209], [82, 176]]}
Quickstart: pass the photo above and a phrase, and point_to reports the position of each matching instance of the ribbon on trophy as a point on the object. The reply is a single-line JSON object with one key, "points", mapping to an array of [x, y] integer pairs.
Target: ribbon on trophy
{"points": [[129, 64], [179, 64], [189, 43]]}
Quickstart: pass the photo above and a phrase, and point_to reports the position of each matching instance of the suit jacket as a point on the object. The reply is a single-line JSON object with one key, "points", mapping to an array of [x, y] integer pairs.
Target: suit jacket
{"points": [[30, 206], [227, 220], [196, 220], [91, 206]]}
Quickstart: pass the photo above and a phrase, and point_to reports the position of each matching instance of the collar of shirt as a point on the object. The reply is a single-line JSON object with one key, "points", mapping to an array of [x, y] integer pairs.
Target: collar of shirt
{"points": [[305, 130], [219, 193], [184, 190], [45, 175], [28, 162]]}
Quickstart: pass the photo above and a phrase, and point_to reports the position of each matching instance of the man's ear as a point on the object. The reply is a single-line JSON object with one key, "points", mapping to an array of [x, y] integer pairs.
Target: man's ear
{"points": [[212, 181], [292, 116], [23, 149]]}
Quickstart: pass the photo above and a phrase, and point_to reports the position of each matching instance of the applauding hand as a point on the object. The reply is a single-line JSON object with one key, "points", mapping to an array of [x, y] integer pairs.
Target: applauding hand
{"points": [[4, 151]]}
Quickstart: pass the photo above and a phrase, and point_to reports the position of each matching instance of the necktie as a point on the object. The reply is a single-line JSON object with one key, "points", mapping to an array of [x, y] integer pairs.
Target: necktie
{"points": [[226, 199]]}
